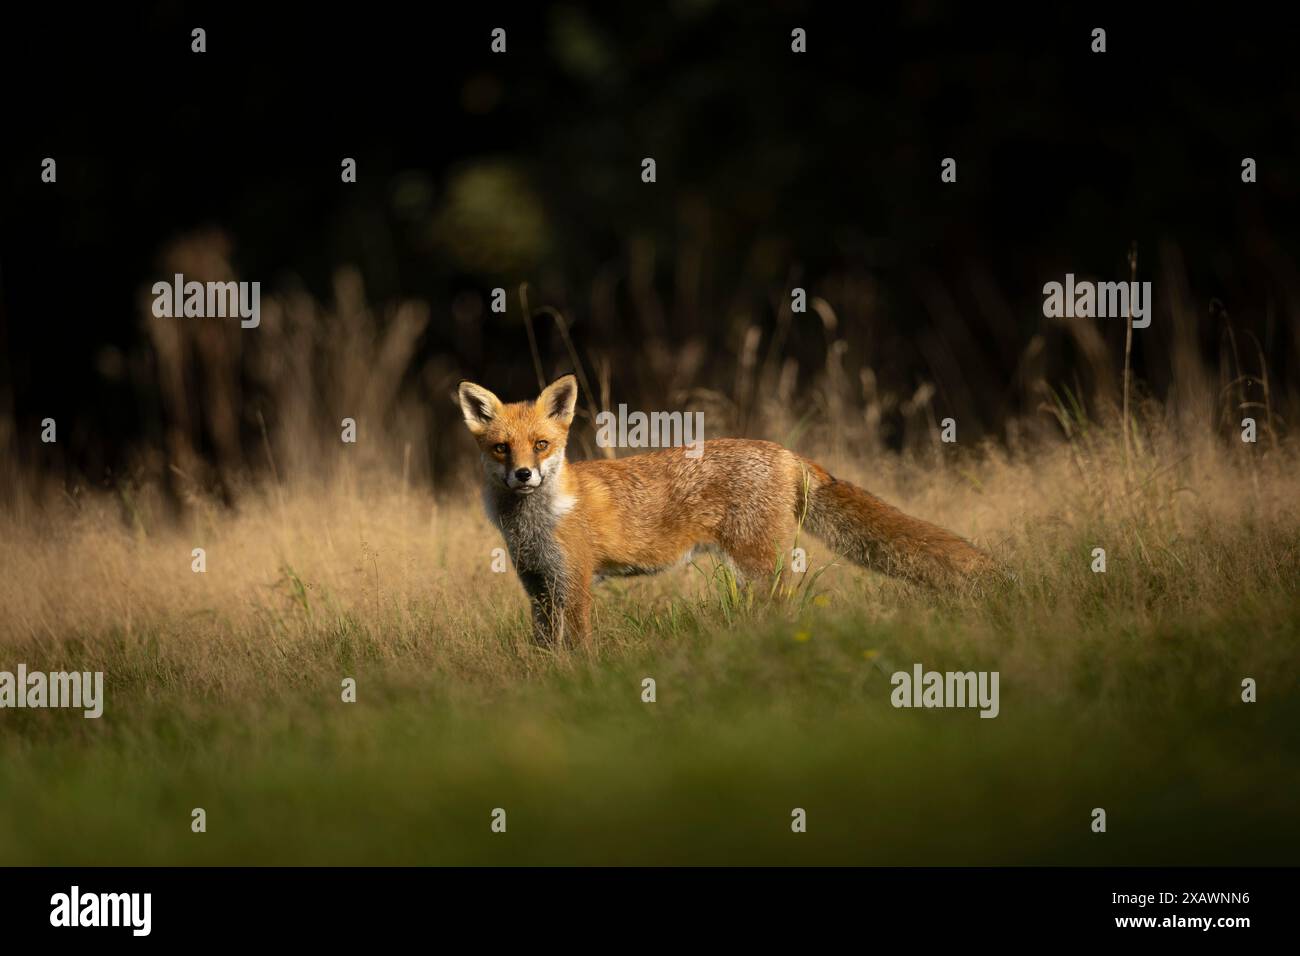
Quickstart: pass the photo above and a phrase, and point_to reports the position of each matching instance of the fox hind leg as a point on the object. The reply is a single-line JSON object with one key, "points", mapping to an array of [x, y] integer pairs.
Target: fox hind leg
{"points": [[760, 556]]}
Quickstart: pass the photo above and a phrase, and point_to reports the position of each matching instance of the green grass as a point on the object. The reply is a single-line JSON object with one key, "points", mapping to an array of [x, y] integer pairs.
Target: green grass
{"points": [[1135, 708]]}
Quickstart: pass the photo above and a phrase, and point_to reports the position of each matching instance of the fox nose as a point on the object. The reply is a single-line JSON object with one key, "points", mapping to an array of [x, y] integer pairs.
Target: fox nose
{"points": [[523, 474]]}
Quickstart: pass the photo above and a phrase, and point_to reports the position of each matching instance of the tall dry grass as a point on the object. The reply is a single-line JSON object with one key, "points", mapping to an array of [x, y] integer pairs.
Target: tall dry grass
{"points": [[303, 532], [407, 572]]}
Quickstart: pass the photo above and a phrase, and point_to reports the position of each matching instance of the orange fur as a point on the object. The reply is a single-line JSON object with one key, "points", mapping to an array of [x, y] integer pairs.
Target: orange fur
{"points": [[565, 523]]}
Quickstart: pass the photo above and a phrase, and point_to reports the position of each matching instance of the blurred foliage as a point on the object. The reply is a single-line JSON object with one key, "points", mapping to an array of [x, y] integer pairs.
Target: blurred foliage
{"points": [[774, 169], [491, 222]]}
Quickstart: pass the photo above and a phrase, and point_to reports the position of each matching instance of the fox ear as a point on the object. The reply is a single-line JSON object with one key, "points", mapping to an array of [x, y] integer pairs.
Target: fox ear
{"points": [[559, 399], [478, 405]]}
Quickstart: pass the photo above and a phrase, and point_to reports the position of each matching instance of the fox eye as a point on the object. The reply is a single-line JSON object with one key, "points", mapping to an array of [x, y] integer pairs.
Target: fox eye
{"points": [[500, 448], [541, 445]]}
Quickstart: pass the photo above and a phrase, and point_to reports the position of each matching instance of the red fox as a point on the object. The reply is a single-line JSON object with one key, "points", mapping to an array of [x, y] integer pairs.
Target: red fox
{"points": [[567, 524]]}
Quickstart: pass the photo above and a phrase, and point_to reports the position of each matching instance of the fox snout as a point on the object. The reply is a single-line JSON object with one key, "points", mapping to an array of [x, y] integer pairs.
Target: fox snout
{"points": [[524, 480], [521, 469]]}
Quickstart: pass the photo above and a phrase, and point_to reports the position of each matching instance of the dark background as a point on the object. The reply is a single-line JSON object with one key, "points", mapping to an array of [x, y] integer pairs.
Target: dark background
{"points": [[774, 169]]}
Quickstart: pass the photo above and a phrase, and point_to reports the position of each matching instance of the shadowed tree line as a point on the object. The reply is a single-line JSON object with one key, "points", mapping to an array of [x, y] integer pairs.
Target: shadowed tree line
{"points": [[775, 170]]}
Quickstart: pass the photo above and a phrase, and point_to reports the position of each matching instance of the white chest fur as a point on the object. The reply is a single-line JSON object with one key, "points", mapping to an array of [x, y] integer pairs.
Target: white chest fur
{"points": [[528, 524]]}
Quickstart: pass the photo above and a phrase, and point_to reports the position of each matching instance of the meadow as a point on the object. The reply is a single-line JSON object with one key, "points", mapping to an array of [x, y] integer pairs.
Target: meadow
{"points": [[1120, 690]]}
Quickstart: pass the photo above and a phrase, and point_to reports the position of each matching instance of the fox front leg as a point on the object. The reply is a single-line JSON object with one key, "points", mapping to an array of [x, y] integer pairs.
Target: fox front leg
{"points": [[548, 611], [577, 612], [548, 620], [561, 609], [563, 617]]}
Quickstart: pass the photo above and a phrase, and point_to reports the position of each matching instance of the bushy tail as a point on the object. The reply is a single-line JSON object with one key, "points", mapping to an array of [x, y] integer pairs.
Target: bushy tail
{"points": [[862, 528]]}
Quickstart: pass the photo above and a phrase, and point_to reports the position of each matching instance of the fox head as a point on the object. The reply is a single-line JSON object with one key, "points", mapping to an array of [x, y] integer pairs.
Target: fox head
{"points": [[522, 443]]}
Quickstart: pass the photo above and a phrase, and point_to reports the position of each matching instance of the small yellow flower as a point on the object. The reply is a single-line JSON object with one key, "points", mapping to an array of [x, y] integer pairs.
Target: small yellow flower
{"points": [[802, 636], [870, 655], [821, 600]]}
